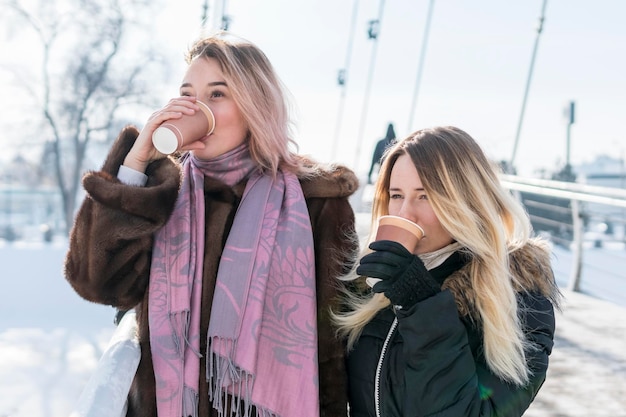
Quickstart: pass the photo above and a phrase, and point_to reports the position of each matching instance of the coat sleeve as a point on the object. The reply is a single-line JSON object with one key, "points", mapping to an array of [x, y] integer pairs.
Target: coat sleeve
{"points": [[110, 247], [444, 379], [335, 244]]}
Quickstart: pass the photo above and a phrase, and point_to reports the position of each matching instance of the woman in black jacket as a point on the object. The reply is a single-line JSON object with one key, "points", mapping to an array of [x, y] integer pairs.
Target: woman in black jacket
{"points": [[464, 325]]}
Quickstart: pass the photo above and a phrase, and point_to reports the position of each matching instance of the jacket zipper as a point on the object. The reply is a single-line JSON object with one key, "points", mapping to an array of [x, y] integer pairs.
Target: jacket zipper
{"points": [[379, 367]]}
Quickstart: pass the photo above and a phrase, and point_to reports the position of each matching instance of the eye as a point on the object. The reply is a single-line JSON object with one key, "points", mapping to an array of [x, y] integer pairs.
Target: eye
{"points": [[217, 94], [423, 197], [185, 93], [395, 196]]}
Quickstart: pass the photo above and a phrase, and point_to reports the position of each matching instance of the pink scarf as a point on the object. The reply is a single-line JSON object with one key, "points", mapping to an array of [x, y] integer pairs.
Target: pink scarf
{"points": [[262, 338]]}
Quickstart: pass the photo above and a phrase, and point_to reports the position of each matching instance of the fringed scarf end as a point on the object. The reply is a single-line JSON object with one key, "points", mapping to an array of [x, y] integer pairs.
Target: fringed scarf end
{"points": [[190, 402], [226, 381], [266, 413], [179, 322]]}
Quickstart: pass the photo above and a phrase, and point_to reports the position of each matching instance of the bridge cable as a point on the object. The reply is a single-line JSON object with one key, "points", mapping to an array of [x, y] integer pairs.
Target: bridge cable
{"points": [[421, 65], [373, 32], [530, 74], [342, 80]]}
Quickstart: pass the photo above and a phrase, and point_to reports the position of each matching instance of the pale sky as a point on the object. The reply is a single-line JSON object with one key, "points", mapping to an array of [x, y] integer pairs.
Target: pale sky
{"points": [[474, 73]]}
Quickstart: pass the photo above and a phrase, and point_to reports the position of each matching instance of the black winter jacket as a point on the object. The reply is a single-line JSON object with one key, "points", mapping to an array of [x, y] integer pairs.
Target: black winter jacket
{"points": [[431, 356]]}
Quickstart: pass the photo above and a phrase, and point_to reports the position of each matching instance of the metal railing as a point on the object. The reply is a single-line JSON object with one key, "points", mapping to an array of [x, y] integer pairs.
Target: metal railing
{"points": [[567, 208]]}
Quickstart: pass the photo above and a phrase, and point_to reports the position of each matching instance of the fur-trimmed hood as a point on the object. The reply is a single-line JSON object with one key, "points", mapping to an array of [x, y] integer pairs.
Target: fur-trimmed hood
{"points": [[529, 264]]}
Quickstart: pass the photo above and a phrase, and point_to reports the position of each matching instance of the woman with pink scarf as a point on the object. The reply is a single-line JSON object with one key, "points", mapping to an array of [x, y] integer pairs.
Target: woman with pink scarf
{"points": [[227, 251]]}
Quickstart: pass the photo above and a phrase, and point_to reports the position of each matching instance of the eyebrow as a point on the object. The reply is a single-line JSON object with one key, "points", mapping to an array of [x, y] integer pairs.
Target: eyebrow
{"points": [[398, 189], [212, 84]]}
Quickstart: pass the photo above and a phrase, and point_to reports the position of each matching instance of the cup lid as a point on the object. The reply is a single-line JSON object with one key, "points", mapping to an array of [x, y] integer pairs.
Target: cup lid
{"points": [[209, 115], [406, 224]]}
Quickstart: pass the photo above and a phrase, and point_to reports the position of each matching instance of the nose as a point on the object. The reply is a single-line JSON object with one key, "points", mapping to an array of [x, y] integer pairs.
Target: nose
{"points": [[408, 212]]}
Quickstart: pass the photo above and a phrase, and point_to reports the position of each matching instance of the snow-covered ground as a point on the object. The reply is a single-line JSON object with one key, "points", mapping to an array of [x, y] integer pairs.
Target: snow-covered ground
{"points": [[51, 339]]}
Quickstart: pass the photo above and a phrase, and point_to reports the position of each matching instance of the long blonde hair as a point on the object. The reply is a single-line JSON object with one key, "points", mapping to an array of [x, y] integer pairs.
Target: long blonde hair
{"points": [[467, 198], [260, 95]]}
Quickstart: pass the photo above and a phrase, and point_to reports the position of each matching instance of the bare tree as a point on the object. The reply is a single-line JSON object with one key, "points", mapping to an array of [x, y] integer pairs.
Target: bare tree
{"points": [[90, 70]]}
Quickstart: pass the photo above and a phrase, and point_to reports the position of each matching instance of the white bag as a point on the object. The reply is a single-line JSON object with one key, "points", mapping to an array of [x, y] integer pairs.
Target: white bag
{"points": [[106, 392]]}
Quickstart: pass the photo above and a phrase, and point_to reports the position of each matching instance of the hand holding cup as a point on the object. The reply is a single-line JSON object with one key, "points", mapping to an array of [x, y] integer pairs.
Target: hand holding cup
{"points": [[400, 230], [174, 134]]}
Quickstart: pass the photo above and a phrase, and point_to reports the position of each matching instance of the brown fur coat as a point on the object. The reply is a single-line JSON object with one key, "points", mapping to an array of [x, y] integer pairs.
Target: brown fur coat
{"points": [[110, 252]]}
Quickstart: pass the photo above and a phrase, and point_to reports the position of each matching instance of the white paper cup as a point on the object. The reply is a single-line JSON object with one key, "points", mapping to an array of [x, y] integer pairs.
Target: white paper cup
{"points": [[173, 134]]}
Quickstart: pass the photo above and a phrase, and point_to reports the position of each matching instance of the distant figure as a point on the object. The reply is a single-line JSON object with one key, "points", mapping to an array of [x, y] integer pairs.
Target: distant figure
{"points": [[379, 151]]}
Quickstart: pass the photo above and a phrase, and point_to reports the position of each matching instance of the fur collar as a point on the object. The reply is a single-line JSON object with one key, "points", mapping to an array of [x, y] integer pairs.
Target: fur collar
{"points": [[319, 180], [529, 264], [329, 181]]}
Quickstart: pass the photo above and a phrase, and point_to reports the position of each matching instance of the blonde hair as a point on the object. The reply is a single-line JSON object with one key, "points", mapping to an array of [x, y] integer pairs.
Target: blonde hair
{"points": [[259, 94], [467, 198]]}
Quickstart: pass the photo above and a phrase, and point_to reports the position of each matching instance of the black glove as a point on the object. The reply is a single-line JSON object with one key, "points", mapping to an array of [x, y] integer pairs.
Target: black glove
{"points": [[404, 278]]}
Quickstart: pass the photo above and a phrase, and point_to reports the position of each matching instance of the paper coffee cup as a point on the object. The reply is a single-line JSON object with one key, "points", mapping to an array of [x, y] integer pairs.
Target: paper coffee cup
{"points": [[400, 230], [173, 134]]}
